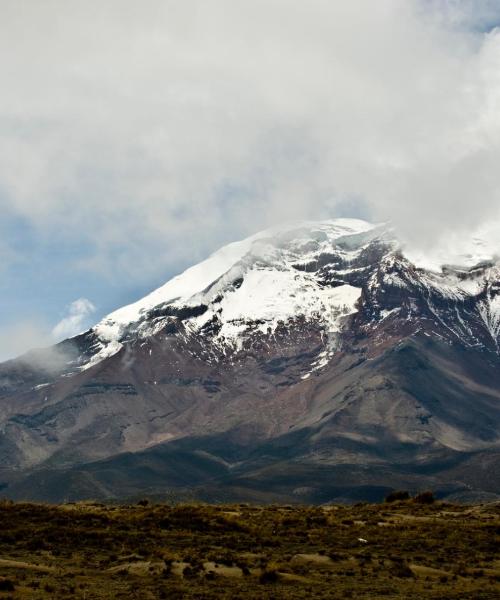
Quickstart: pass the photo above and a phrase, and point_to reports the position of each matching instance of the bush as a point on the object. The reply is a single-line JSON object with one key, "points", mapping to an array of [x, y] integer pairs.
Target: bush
{"points": [[397, 495], [400, 568], [424, 498], [188, 573], [6, 585], [269, 577]]}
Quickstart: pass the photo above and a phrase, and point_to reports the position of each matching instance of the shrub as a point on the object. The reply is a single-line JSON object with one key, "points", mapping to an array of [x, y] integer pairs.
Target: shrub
{"points": [[334, 556], [424, 498], [188, 573], [7, 585], [401, 569], [269, 577], [397, 495]]}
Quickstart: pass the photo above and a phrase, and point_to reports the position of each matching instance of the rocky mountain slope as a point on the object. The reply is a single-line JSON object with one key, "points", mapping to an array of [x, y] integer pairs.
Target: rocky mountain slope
{"points": [[311, 362]]}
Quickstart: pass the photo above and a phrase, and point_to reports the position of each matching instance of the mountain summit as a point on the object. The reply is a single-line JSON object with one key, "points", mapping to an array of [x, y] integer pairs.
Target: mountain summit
{"points": [[313, 361]]}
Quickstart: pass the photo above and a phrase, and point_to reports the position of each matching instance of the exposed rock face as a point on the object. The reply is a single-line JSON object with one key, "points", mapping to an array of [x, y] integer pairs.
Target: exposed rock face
{"points": [[313, 362]]}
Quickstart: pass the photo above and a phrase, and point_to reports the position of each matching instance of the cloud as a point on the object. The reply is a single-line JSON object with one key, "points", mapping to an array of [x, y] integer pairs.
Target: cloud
{"points": [[75, 321], [150, 134]]}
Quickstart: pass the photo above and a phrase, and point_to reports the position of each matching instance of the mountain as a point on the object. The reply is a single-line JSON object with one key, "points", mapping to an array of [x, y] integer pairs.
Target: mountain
{"points": [[311, 362]]}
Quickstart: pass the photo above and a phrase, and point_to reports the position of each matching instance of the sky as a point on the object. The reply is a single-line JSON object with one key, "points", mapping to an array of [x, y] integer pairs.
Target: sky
{"points": [[138, 137]]}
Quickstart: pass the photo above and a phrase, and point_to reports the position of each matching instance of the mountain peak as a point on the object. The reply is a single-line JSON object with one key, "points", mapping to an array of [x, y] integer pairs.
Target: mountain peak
{"points": [[263, 278], [200, 276]]}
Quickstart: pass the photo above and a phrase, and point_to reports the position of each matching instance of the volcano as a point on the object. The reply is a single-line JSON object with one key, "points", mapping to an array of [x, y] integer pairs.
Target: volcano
{"points": [[313, 362]]}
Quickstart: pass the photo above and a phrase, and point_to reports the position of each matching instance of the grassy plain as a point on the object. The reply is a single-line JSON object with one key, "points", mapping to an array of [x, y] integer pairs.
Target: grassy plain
{"points": [[403, 549]]}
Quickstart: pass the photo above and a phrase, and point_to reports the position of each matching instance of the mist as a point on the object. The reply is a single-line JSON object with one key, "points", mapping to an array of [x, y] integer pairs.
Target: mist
{"points": [[36, 335]]}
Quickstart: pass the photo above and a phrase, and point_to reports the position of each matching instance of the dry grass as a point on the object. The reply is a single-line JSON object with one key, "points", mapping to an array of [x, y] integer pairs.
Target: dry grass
{"points": [[399, 550]]}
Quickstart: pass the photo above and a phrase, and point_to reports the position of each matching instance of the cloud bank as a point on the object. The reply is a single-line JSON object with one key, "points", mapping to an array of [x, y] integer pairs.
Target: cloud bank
{"points": [[133, 125], [149, 133]]}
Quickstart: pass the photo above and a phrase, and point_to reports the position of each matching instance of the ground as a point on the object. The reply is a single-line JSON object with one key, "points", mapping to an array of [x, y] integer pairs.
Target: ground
{"points": [[402, 549]]}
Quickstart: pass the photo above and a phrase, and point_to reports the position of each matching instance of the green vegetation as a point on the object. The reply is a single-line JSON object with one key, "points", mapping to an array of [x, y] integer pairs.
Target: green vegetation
{"points": [[402, 549]]}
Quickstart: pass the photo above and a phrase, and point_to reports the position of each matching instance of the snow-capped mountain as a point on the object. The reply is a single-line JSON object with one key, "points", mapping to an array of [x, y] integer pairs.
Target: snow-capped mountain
{"points": [[313, 347], [249, 288]]}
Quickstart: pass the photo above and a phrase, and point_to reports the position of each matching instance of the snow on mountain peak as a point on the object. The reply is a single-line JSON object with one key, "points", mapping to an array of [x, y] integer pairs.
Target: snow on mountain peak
{"points": [[197, 278], [309, 270], [272, 290]]}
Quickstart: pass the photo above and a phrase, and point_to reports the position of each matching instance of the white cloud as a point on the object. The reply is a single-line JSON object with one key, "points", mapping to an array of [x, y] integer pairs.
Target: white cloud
{"points": [[75, 321], [151, 131]]}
